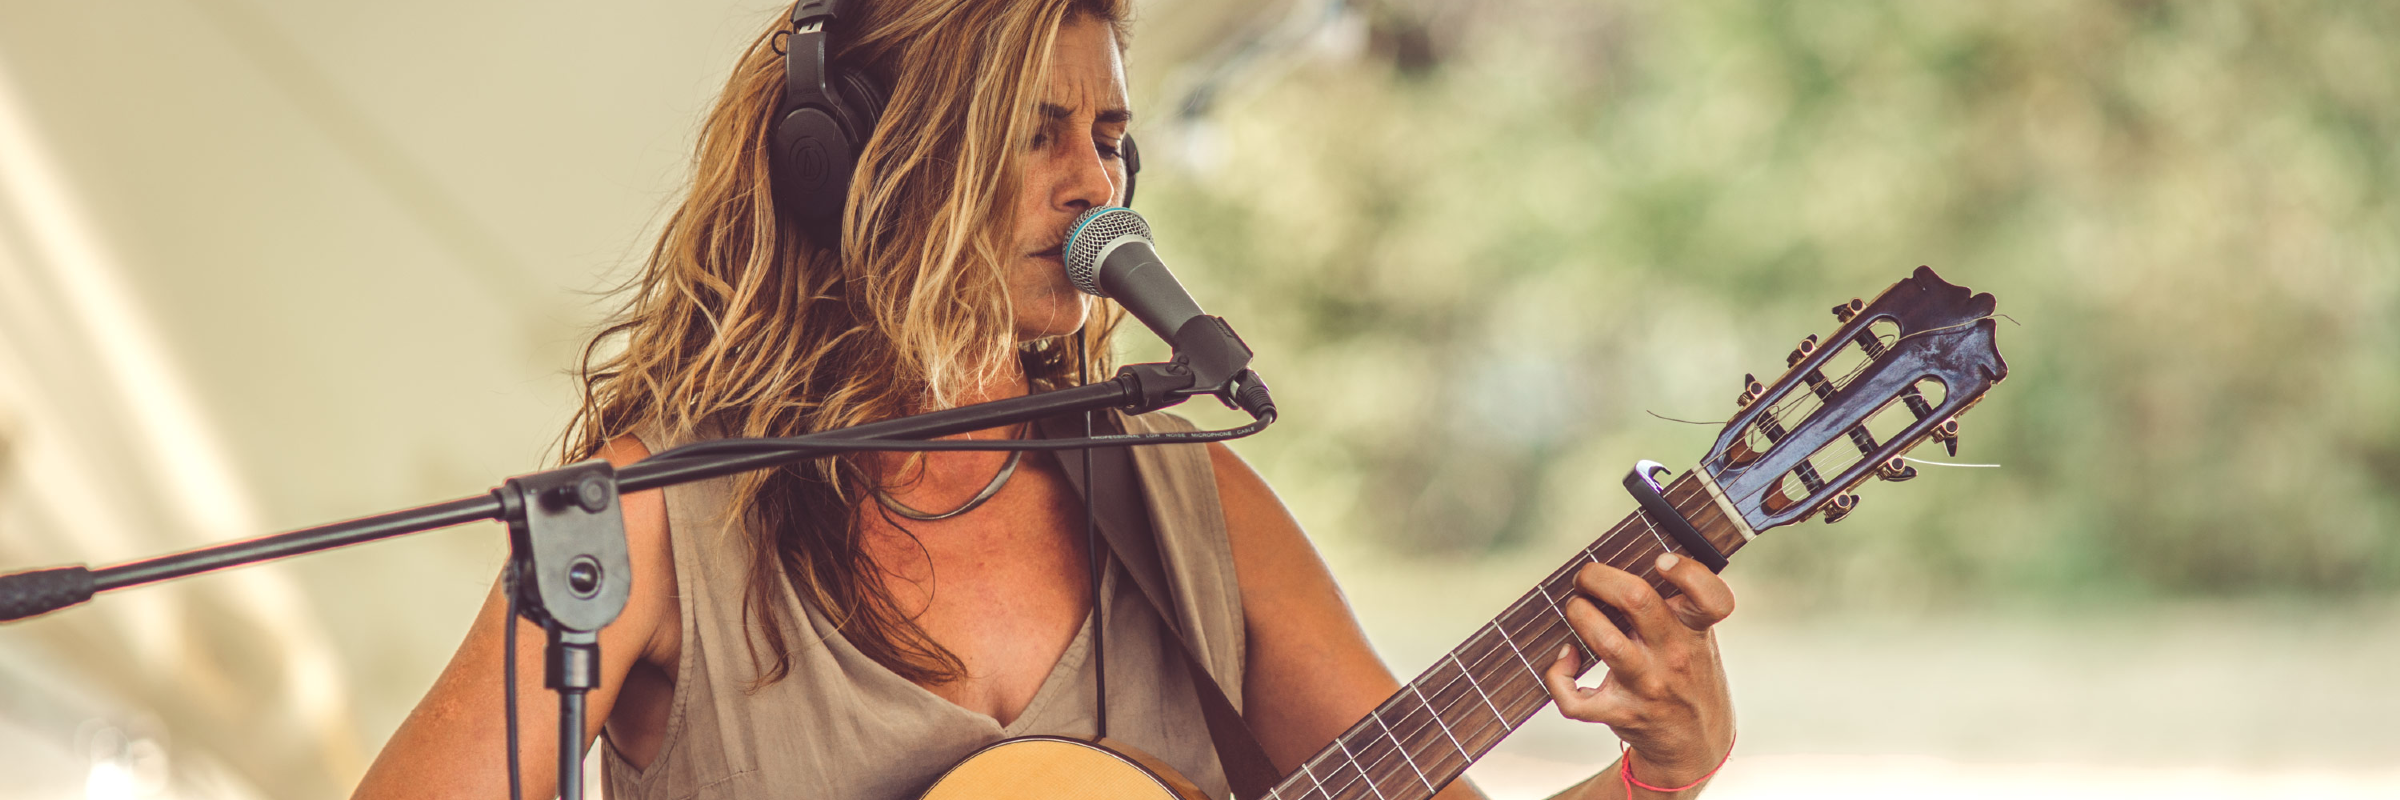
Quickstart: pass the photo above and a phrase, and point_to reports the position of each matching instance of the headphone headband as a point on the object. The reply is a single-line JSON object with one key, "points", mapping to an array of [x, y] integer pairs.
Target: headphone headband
{"points": [[824, 120]]}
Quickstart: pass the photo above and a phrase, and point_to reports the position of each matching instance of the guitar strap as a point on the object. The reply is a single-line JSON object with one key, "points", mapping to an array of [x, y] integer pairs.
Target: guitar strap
{"points": [[1124, 519]]}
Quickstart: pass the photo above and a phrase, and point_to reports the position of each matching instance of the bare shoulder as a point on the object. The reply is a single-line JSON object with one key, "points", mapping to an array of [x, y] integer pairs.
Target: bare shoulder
{"points": [[652, 609], [1277, 566], [1309, 671], [1244, 491], [448, 746]]}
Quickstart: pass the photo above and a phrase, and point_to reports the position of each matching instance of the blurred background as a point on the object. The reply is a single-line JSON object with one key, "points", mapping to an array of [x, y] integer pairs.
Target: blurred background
{"points": [[270, 263]]}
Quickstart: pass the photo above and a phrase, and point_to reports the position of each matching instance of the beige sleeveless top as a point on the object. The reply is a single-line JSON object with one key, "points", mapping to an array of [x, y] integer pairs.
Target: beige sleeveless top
{"points": [[841, 726]]}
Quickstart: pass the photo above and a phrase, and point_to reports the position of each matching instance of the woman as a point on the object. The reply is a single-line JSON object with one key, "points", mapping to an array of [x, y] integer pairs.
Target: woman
{"points": [[849, 627]]}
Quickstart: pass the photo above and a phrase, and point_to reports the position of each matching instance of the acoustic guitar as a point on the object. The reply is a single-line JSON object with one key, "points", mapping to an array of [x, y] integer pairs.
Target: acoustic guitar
{"points": [[1897, 373]]}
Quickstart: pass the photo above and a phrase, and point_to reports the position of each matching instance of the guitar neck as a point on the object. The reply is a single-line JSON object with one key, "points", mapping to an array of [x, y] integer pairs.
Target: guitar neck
{"points": [[1429, 732]]}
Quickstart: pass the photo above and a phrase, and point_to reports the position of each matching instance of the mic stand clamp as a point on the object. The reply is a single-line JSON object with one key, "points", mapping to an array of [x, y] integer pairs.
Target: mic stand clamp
{"points": [[566, 535], [1210, 359]]}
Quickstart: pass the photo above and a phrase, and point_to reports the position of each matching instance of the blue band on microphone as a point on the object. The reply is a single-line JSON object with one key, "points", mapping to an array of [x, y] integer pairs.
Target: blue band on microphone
{"points": [[1088, 216]]}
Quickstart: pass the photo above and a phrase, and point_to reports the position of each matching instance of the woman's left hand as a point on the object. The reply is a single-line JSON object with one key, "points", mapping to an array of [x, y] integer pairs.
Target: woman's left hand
{"points": [[1665, 692]]}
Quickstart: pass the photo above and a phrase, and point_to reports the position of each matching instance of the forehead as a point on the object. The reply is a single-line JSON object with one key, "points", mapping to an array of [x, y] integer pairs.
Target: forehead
{"points": [[1086, 72]]}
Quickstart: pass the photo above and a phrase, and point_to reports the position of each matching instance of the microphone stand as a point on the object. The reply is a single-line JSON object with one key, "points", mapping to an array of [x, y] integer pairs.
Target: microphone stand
{"points": [[568, 569]]}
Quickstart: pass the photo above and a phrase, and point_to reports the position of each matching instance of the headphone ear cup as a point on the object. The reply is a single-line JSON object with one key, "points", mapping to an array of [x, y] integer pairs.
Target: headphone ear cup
{"points": [[815, 159], [819, 149], [863, 98]]}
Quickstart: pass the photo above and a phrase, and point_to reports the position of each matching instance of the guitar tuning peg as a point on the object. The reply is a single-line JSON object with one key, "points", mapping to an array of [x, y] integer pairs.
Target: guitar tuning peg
{"points": [[1845, 311], [1808, 347], [1895, 470], [1840, 506], [1751, 389], [1947, 434]]}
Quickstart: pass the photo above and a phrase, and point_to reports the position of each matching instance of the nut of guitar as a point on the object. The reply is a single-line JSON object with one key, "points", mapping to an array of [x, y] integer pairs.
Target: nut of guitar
{"points": [[1060, 768]]}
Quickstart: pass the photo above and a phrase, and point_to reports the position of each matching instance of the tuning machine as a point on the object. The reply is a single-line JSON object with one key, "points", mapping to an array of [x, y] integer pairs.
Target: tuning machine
{"points": [[1947, 434], [1895, 470], [1840, 506], [1808, 347], [1847, 311], [1751, 389]]}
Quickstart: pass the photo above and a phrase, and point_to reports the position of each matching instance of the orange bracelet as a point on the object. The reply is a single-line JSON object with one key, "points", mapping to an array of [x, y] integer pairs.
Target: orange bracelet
{"points": [[1625, 770]]}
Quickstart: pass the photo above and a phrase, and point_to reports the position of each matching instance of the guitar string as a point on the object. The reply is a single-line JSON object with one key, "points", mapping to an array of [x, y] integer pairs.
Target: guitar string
{"points": [[1547, 626], [1794, 399], [1927, 332], [1799, 397], [1845, 460], [1534, 691], [1524, 697], [1368, 772]]}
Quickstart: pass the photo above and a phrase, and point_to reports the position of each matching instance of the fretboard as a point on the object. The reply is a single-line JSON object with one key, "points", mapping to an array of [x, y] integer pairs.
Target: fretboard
{"points": [[1474, 696]]}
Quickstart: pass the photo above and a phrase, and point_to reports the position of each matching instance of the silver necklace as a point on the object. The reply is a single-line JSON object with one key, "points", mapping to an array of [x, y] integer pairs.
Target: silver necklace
{"points": [[1007, 468]]}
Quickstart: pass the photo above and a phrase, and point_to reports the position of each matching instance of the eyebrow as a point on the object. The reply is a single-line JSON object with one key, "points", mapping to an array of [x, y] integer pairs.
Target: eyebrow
{"points": [[1110, 116]]}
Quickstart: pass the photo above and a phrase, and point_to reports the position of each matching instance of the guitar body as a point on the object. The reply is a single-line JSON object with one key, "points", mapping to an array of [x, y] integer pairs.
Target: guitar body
{"points": [[1060, 768], [1923, 353]]}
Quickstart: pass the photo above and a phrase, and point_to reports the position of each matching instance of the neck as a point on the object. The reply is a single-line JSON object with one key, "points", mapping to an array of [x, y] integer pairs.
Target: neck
{"points": [[1010, 381], [934, 477], [1427, 734]]}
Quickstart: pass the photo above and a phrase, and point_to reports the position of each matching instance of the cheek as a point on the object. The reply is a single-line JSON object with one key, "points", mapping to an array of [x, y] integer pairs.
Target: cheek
{"points": [[1035, 180]]}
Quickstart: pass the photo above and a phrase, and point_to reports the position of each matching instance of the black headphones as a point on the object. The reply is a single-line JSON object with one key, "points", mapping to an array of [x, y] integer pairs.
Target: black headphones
{"points": [[826, 118]]}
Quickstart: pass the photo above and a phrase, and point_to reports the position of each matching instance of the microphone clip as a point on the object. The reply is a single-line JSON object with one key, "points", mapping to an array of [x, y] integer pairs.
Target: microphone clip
{"points": [[1210, 359]]}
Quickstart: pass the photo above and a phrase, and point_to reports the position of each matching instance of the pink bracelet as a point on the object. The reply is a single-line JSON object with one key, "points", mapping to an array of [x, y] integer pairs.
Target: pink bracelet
{"points": [[1625, 771]]}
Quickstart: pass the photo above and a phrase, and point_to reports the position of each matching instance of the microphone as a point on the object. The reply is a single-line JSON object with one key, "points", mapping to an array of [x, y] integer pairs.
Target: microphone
{"points": [[1109, 253]]}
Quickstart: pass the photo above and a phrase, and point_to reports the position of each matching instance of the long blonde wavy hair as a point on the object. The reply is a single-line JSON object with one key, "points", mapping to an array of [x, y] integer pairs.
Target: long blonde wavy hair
{"points": [[739, 324]]}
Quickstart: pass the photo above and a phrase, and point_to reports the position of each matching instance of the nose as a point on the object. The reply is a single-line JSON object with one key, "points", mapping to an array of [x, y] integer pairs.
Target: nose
{"points": [[1088, 181]]}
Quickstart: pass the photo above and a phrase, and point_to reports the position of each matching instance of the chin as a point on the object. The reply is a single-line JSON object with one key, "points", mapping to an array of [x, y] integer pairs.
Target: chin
{"points": [[1047, 323], [1048, 306]]}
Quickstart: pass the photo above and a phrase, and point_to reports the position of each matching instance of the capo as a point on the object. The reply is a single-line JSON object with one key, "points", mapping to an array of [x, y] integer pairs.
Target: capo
{"points": [[1647, 492]]}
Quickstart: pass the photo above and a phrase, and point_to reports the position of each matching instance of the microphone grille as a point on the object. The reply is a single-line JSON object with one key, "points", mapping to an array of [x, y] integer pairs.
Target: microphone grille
{"points": [[1090, 238]]}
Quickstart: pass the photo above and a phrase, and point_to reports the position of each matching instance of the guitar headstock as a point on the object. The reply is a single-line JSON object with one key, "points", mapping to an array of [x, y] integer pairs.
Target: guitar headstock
{"points": [[1898, 372]]}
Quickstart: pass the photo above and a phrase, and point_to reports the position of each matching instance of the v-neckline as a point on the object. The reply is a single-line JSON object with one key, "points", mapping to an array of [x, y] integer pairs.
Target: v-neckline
{"points": [[1067, 669]]}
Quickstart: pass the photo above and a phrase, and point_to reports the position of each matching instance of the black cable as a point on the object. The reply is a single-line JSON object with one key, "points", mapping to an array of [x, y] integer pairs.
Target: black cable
{"points": [[508, 639], [815, 445], [1091, 545]]}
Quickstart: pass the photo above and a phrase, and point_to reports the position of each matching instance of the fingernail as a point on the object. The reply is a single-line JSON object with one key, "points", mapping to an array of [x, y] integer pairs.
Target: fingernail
{"points": [[1564, 651], [1667, 561]]}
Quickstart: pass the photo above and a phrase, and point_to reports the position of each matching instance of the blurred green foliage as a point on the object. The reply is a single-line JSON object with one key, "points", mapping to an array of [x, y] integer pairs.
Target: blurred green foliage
{"points": [[1477, 241]]}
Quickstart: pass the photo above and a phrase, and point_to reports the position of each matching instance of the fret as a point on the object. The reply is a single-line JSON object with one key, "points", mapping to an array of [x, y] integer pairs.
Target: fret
{"points": [[1333, 760], [1403, 748], [1473, 721], [1508, 689], [1594, 557], [1654, 534], [1362, 771], [1424, 737], [1463, 752], [1311, 775], [1489, 685], [1558, 608], [1512, 646], [1469, 675]]}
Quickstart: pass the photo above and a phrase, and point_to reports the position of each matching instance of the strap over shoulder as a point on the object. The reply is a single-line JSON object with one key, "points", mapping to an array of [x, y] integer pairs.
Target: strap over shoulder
{"points": [[1120, 508]]}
